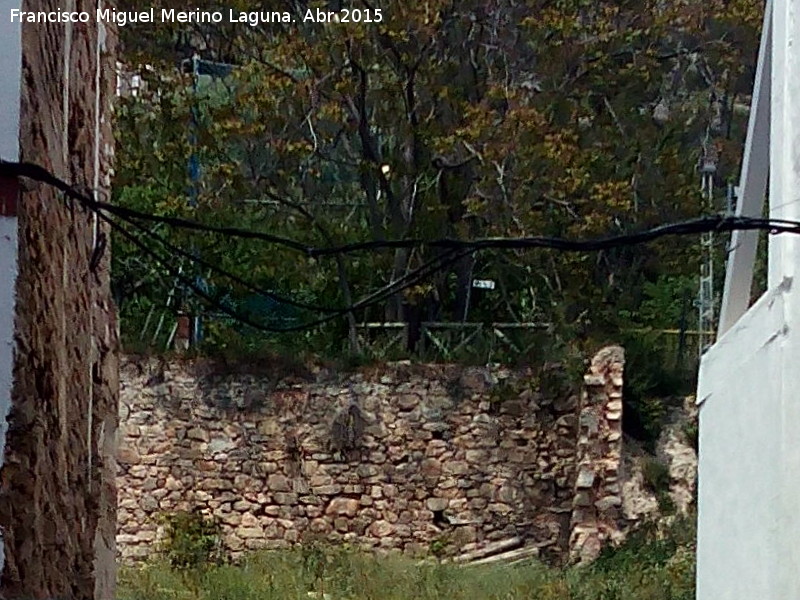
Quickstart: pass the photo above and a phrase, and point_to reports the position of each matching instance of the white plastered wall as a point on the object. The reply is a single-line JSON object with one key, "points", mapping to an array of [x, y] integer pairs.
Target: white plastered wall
{"points": [[749, 389]]}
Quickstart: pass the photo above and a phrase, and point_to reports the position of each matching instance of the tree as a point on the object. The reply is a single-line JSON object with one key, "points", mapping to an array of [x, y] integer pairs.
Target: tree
{"points": [[451, 119]]}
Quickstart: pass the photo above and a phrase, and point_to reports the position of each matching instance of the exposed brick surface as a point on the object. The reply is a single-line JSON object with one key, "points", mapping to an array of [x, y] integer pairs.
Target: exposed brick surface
{"points": [[57, 502]]}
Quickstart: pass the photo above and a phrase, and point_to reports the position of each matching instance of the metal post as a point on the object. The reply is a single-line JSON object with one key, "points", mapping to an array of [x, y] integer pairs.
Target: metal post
{"points": [[199, 67], [705, 299]]}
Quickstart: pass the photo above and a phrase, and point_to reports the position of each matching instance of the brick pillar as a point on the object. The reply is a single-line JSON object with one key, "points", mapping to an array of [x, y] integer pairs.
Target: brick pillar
{"points": [[597, 501], [57, 491]]}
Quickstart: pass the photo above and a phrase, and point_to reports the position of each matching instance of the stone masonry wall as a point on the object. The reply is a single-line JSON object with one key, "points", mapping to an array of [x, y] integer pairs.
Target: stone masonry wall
{"points": [[597, 510], [57, 504], [397, 458]]}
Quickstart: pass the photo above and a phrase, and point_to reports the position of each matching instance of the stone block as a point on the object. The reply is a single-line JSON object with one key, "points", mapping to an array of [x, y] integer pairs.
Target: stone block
{"points": [[437, 504], [407, 402], [343, 506], [285, 498], [608, 502], [585, 479], [456, 467], [278, 483], [381, 529], [328, 490], [198, 433], [128, 455]]}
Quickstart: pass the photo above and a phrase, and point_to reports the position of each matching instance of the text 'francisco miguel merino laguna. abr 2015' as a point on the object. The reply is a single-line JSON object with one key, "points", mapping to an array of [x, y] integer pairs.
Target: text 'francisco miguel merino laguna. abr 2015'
{"points": [[170, 15]]}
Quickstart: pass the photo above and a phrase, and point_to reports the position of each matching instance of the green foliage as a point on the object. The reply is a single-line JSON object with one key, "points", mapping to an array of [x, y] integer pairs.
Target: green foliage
{"points": [[656, 474], [660, 362], [191, 540], [506, 390], [651, 565], [657, 363], [527, 119], [649, 413], [691, 432], [323, 562], [440, 546], [666, 505]]}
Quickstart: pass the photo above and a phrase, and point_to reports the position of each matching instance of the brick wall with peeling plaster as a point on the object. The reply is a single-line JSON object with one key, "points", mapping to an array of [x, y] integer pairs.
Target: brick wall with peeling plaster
{"points": [[57, 500], [461, 455]]}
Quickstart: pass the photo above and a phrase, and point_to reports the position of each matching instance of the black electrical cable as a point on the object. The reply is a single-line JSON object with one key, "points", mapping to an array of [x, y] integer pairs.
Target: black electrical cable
{"points": [[717, 223], [453, 249], [713, 223], [227, 274], [400, 284], [383, 292], [39, 174]]}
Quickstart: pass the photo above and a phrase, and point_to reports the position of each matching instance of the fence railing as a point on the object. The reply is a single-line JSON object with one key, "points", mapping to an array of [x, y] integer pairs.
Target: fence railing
{"points": [[448, 340]]}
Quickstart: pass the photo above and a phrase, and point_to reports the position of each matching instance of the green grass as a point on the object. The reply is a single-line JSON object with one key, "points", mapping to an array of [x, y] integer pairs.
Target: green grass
{"points": [[650, 566]]}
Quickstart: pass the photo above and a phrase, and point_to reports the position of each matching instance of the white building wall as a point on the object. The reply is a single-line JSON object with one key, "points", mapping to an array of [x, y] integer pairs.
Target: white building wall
{"points": [[742, 534], [749, 388]]}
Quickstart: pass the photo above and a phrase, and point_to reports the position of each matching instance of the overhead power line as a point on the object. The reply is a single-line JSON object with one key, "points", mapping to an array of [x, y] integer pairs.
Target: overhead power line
{"points": [[439, 262], [713, 223], [394, 287], [37, 173], [451, 250], [398, 285], [228, 275]]}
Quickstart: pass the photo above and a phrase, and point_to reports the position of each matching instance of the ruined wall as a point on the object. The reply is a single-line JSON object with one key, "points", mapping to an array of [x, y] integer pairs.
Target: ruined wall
{"points": [[57, 502], [597, 507], [447, 454]]}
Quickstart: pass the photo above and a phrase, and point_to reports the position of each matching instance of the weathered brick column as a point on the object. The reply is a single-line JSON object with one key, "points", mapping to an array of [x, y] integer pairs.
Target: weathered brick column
{"points": [[596, 507], [57, 494]]}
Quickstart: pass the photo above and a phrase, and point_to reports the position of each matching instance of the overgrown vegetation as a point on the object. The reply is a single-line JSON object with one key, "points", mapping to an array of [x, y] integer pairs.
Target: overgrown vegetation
{"points": [[691, 432], [449, 119], [657, 479], [651, 565], [191, 540]]}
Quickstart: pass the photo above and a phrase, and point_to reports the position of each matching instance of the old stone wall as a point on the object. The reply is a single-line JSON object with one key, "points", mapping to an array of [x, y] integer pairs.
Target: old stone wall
{"points": [[57, 501], [597, 517], [405, 457]]}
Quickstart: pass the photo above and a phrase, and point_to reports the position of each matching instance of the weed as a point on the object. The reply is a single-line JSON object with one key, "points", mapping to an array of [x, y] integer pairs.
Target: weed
{"points": [[649, 566], [191, 540], [656, 475], [691, 432]]}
